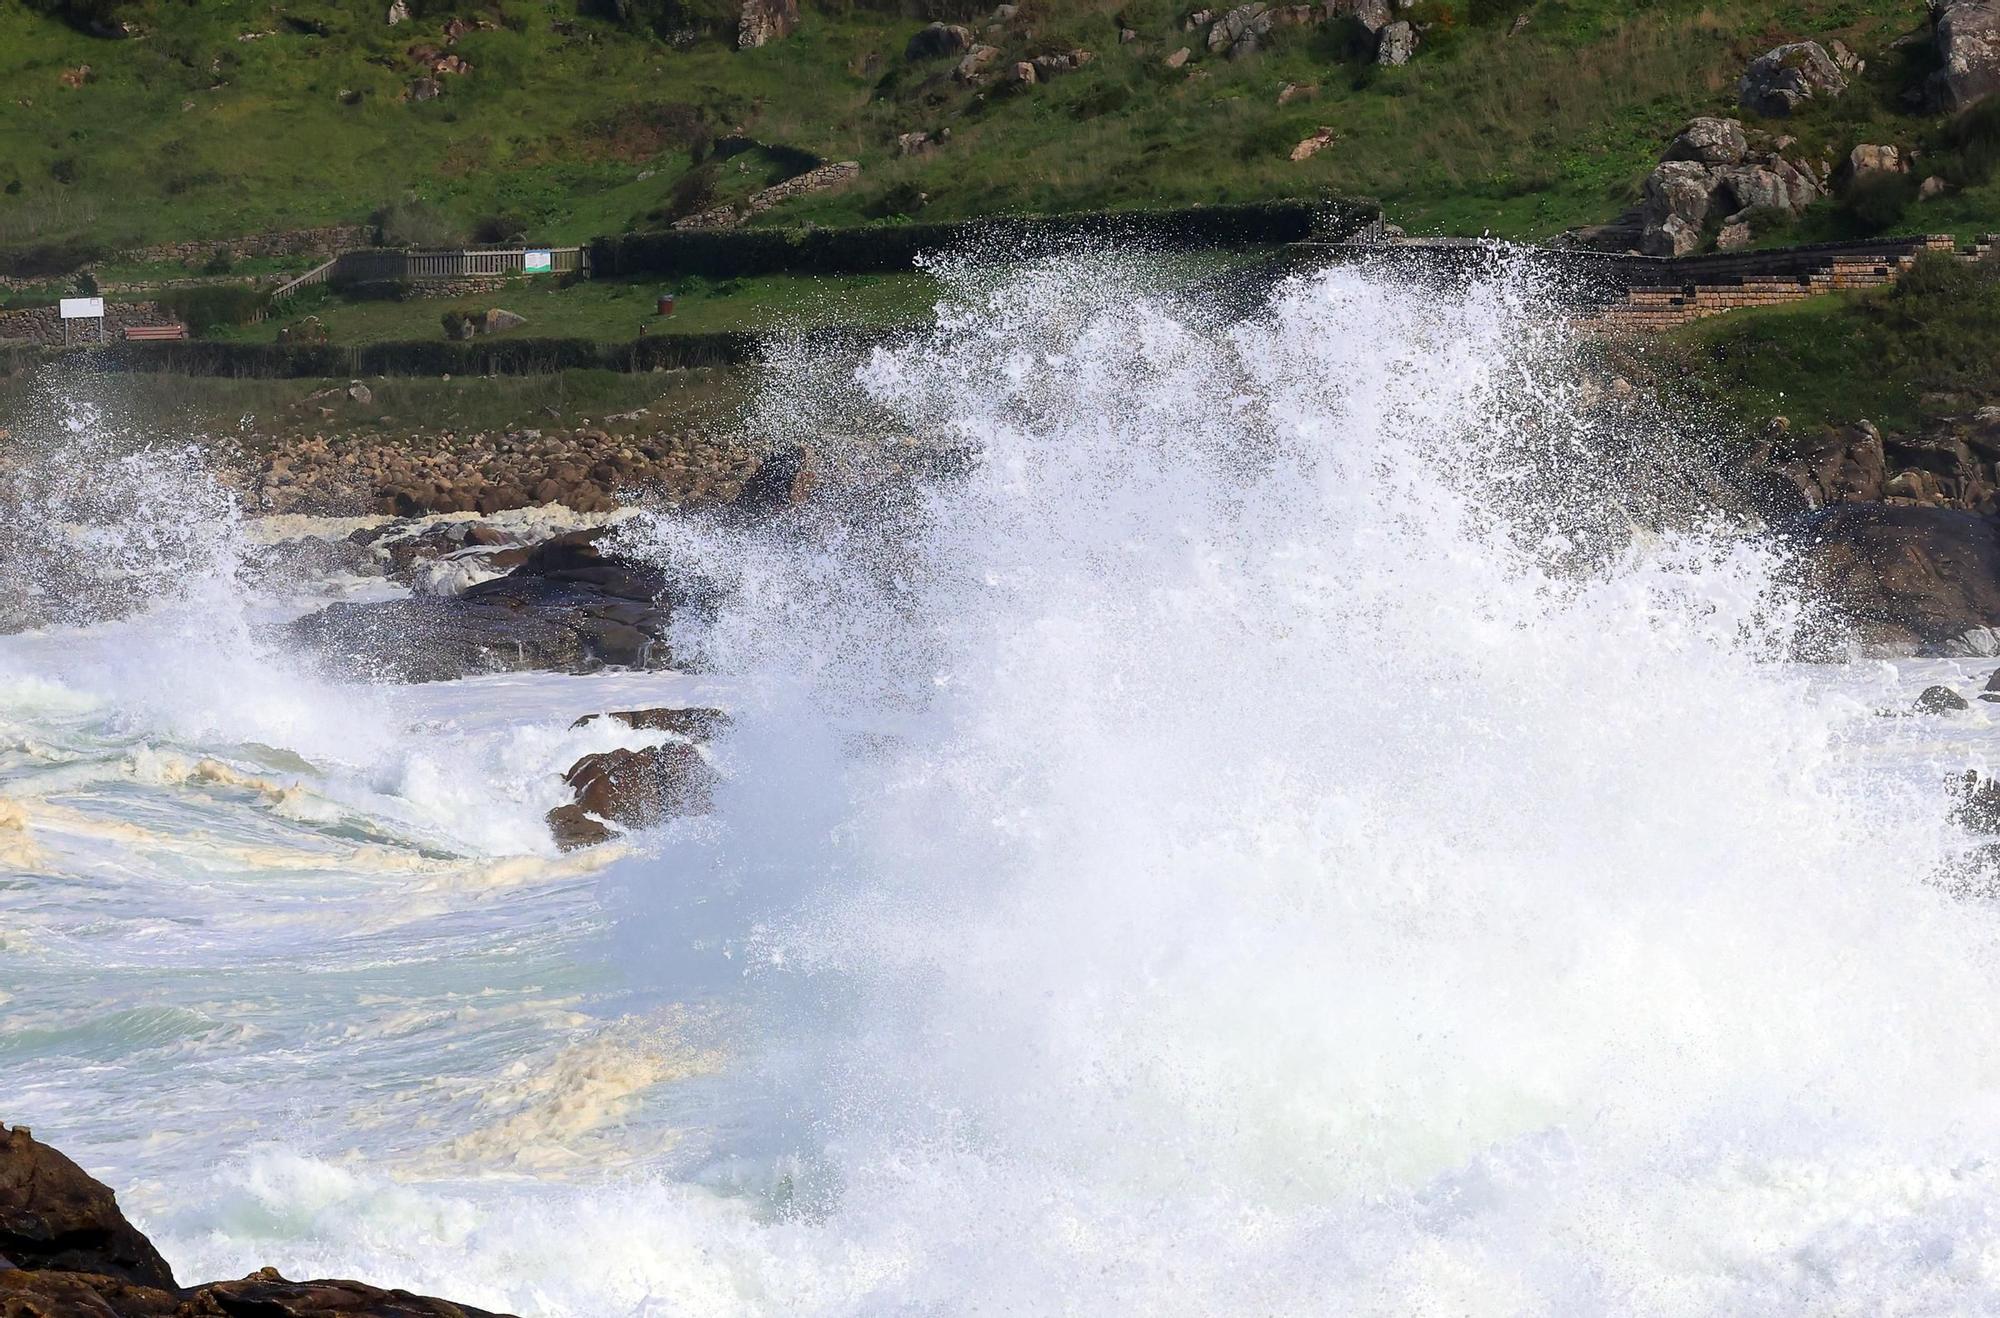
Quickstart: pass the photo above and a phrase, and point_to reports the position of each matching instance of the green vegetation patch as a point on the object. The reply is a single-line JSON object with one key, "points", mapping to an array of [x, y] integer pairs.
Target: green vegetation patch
{"points": [[1925, 347]]}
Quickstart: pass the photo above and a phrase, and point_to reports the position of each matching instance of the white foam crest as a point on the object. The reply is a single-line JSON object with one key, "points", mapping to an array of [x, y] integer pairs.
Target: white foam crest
{"points": [[1324, 777]]}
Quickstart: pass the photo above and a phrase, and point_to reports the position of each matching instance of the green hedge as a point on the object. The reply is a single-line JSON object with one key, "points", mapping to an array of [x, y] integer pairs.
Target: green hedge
{"points": [[873, 249], [505, 357]]}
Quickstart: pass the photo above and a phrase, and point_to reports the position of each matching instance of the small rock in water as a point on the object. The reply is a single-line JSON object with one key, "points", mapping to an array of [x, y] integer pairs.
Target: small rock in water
{"points": [[1976, 804], [1940, 700]]}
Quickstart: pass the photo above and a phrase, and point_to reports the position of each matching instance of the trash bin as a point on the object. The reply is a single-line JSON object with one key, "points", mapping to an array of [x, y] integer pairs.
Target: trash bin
{"points": [[666, 304]]}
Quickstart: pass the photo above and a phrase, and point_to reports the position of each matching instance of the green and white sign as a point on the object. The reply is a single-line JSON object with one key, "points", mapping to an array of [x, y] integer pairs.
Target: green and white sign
{"points": [[537, 263]]}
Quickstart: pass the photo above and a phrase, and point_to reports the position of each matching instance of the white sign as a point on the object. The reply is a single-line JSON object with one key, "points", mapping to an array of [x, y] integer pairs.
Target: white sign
{"points": [[537, 263], [82, 308]]}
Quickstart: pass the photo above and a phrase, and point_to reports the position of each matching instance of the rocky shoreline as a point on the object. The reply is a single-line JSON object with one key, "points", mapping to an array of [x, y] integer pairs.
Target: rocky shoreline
{"points": [[66, 1251], [592, 470]]}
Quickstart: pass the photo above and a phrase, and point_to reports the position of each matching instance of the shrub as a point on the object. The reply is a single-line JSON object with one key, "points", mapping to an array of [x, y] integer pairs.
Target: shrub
{"points": [[413, 223], [214, 306], [1973, 144], [220, 262], [1875, 201], [41, 260]]}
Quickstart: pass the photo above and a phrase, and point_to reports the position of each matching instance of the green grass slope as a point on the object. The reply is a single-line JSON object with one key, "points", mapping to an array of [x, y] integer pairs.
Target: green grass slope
{"points": [[232, 117]]}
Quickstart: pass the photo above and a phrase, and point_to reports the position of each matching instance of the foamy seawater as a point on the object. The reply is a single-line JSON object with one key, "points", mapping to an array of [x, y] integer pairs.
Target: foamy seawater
{"points": [[1291, 821]]}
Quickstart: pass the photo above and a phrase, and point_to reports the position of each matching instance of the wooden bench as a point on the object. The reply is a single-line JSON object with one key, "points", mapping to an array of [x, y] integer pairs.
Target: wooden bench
{"points": [[155, 333]]}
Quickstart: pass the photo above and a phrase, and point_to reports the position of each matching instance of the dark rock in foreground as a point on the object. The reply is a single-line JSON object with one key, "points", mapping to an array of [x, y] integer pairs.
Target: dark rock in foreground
{"points": [[54, 1215], [568, 608], [1905, 577], [73, 1255]]}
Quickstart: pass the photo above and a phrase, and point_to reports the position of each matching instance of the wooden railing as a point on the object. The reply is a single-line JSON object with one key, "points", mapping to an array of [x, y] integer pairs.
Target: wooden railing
{"points": [[381, 264]]}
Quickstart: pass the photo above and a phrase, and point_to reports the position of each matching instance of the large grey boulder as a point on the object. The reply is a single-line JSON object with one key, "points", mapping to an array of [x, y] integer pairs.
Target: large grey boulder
{"points": [[1678, 196], [1968, 42], [1710, 141], [1779, 80], [1775, 184]]}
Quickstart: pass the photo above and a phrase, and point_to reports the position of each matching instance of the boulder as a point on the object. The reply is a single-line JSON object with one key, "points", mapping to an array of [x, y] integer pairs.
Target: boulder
{"points": [[1710, 141], [1968, 45], [1900, 578], [1178, 58], [360, 393], [568, 608], [56, 1216], [499, 320], [1939, 700], [1779, 80], [1734, 237], [1397, 44], [1313, 145], [425, 89], [762, 21], [975, 62], [1775, 184], [634, 788], [399, 12], [937, 40], [1866, 159], [1374, 15]]}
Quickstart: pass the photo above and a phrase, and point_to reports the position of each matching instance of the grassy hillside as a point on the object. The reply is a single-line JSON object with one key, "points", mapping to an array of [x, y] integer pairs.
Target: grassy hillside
{"points": [[1928, 347], [236, 116]]}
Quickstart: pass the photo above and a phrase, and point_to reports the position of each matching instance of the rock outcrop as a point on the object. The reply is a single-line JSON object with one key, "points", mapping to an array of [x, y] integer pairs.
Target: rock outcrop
{"points": [[70, 1253], [1711, 176], [1779, 81], [1902, 578], [1968, 44], [568, 608], [56, 1216], [1398, 43], [1950, 463], [761, 21]]}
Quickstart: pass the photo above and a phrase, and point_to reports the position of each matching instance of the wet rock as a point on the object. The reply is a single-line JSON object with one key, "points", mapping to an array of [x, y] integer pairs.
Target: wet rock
{"points": [[694, 724], [1900, 578], [56, 1216], [1779, 80], [1976, 803], [573, 828], [54, 1294], [1939, 700], [568, 608], [635, 788]]}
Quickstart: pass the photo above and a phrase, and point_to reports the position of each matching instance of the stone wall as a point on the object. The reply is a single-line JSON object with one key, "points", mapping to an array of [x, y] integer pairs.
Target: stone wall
{"points": [[44, 324], [329, 240]]}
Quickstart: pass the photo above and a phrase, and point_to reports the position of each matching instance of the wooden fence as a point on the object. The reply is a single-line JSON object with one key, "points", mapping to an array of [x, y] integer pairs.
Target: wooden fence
{"points": [[381, 264]]}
